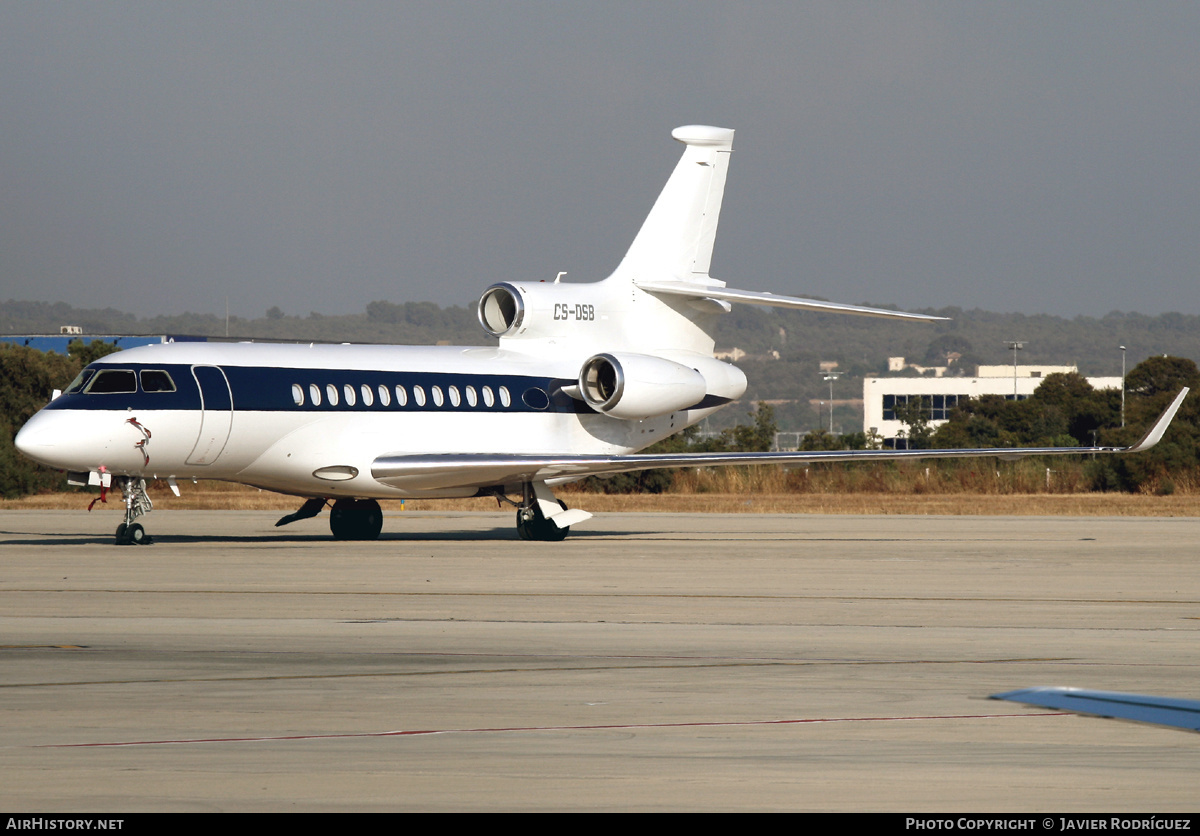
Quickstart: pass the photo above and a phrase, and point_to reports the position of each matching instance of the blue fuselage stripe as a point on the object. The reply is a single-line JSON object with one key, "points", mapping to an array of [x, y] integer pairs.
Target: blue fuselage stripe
{"points": [[266, 389], [270, 389]]}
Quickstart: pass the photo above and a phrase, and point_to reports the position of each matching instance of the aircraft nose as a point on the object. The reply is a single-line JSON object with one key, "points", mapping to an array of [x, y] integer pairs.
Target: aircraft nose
{"points": [[41, 439], [35, 438]]}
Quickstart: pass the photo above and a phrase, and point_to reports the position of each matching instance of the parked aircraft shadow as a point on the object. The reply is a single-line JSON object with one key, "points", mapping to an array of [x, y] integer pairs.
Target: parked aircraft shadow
{"points": [[59, 540]]}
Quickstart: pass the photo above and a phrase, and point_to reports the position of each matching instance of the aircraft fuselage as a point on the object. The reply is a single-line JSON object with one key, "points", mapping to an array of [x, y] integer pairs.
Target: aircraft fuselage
{"points": [[310, 420]]}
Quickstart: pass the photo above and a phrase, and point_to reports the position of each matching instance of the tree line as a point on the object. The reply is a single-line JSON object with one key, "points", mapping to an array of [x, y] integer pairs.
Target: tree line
{"points": [[27, 379]]}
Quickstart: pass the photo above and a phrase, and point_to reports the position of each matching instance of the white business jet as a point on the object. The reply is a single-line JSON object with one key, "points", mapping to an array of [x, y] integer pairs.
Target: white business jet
{"points": [[584, 376]]}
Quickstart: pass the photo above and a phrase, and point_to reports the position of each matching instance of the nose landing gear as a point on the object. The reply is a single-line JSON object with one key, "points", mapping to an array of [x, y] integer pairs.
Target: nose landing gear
{"points": [[137, 503]]}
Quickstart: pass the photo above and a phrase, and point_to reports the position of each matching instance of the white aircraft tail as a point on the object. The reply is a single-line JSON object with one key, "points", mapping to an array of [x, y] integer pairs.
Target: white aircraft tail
{"points": [[671, 256], [661, 298], [676, 239]]}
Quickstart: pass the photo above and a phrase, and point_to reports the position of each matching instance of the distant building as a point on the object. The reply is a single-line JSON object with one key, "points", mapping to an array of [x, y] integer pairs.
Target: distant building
{"points": [[735, 354], [731, 354], [897, 364], [881, 395]]}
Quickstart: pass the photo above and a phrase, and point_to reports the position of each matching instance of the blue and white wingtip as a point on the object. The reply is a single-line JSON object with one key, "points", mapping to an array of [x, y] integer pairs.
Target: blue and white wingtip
{"points": [[1141, 708]]}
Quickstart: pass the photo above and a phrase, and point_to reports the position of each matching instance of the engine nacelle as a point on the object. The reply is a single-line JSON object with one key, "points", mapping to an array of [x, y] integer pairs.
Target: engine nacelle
{"points": [[543, 310], [501, 310], [637, 386]]}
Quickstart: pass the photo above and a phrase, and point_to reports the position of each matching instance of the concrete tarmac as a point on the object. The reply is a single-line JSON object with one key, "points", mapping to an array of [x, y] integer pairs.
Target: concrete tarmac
{"points": [[649, 662]]}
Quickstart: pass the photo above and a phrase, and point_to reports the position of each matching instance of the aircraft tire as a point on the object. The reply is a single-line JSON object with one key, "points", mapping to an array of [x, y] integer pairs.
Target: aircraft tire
{"points": [[120, 537], [356, 519], [540, 529], [135, 535]]}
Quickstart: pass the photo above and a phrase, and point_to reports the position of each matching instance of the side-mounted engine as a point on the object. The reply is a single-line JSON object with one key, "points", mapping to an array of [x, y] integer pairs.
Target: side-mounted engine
{"points": [[637, 386]]}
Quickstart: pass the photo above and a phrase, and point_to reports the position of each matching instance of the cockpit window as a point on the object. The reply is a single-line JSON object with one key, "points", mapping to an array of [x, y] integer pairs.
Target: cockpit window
{"points": [[80, 380], [113, 382], [156, 380]]}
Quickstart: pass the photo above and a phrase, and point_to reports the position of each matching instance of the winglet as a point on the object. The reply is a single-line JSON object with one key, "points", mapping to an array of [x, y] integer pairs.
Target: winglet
{"points": [[1155, 433]]}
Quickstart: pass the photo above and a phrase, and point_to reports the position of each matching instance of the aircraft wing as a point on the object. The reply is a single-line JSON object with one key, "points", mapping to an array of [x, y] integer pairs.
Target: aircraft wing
{"points": [[1160, 711], [457, 470], [754, 297]]}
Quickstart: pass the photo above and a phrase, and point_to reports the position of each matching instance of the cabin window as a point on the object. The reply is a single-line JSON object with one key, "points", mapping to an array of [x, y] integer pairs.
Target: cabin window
{"points": [[367, 395], [314, 394], [385, 396], [113, 382], [489, 400], [438, 398], [401, 396], [156, 380], [455, 398], [331, 393], [348, 390], [297, 394], [505, 397], [472, 398], [419, 395]]}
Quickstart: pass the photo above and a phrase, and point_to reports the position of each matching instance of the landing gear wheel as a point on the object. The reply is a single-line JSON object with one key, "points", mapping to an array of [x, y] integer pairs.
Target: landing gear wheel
{"points": [[531, 525], [131, 535], [137, 502], [356, 519]]}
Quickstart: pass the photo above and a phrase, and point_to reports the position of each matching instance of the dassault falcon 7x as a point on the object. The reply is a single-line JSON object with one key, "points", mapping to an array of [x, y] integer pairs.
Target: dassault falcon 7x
{"points": [[584, 376]]}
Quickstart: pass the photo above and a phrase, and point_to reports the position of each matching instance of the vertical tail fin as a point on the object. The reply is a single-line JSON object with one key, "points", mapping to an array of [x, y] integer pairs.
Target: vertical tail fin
{"points": [[676, 240]]}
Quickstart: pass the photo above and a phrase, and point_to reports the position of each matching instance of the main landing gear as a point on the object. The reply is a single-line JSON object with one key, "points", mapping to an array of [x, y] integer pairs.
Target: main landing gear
{"points": [[356, 519], [533, 525], [137, 503], [541, 516], [349, 519]]}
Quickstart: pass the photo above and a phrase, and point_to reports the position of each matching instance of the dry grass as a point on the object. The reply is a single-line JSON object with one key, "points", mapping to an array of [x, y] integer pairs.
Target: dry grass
{"points": [[747, 499]]}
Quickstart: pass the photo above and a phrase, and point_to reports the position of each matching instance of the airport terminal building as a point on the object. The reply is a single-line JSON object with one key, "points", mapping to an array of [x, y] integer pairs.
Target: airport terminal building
{"points": [[881, 395]]}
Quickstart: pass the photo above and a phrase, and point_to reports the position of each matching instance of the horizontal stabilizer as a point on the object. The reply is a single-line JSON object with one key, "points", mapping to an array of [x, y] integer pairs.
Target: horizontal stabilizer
{"points": [[752, 297], [1142, 708]]}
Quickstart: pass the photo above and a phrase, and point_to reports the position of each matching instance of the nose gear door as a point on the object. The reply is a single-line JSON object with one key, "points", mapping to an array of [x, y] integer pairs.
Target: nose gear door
{"points": [[216, 414]]}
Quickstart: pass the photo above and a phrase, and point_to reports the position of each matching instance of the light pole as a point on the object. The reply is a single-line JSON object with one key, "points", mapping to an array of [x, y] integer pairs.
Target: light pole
{"points": [[1015, 345], [1122, 387], [831, 377]]}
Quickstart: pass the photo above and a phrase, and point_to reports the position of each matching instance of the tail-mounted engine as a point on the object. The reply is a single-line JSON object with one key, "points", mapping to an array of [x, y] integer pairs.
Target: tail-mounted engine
{"points": [[531, 311], [501, 310], [671, 368], [591, 317]]}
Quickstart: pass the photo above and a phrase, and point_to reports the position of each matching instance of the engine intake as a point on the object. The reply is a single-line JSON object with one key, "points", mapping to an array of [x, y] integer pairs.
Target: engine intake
{"points": [[501, 310]]}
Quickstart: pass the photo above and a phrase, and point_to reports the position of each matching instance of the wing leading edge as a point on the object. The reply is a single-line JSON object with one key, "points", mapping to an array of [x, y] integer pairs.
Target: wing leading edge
{"points": [[458, 470]]}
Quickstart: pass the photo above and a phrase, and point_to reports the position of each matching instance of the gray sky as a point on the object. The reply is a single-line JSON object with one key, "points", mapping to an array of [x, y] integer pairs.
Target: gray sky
{"points": [[1019, 156]]}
